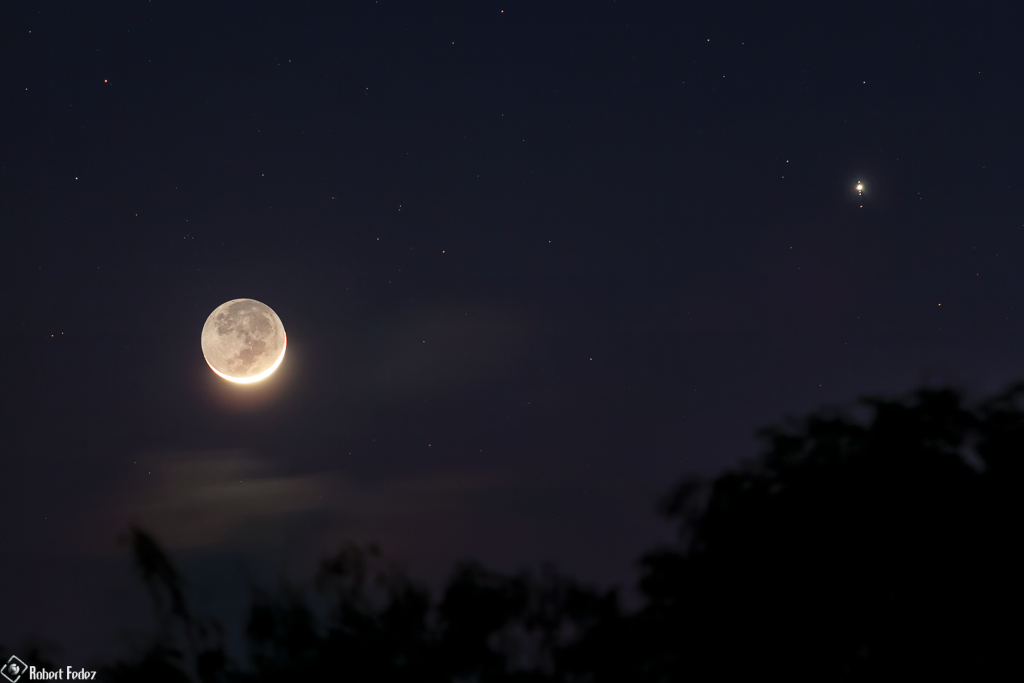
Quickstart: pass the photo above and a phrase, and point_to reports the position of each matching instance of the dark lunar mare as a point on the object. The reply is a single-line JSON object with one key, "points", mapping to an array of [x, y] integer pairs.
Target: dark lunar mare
{"points": [[249, 321]]}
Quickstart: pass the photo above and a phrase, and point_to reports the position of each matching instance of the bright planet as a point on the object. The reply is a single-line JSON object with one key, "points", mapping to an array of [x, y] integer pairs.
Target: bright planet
{"points": [[243, 341]]}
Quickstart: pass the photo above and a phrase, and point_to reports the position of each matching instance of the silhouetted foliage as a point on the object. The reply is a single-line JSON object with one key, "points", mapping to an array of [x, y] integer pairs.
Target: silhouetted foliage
{"points": [[847, 548], [871, 547], [186, 648], [383, 627]]}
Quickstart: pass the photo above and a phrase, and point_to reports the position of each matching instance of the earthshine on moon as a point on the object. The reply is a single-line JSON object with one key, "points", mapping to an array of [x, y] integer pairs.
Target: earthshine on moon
{"points": [[243, 341]]}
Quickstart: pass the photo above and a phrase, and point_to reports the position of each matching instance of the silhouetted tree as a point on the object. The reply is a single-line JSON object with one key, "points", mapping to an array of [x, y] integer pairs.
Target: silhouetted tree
{"points": [[857, 548], [383, 627], [880, 546], [185, 647]]}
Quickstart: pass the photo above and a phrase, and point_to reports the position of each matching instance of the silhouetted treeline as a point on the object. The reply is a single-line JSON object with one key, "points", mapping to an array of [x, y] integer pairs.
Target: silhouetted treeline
{"points": [[381, 626], [863, 549], [872, 547]]}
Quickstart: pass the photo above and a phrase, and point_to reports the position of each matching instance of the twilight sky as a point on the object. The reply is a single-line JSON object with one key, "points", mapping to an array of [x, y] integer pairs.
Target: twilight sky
{"points": [[536, 261]]}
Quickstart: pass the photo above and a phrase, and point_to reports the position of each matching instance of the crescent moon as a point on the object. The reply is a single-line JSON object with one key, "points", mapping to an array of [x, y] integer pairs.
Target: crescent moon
{"points": [[255, 378], [244, 341]]}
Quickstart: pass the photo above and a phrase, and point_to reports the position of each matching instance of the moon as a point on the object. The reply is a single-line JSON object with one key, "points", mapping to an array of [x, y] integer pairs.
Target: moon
{"points": [[243, 341]]}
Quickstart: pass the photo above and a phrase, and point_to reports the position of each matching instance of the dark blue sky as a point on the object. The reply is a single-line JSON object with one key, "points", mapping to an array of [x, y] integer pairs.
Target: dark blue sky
{"points": [[536, 261]]}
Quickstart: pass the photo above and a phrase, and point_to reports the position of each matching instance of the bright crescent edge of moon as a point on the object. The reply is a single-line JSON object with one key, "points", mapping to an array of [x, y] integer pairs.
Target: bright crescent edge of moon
{"points": [[255, 378]]}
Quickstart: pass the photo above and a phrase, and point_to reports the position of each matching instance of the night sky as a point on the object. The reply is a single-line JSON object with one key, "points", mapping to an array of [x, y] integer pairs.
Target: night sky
{"points": [[535, 261]]}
